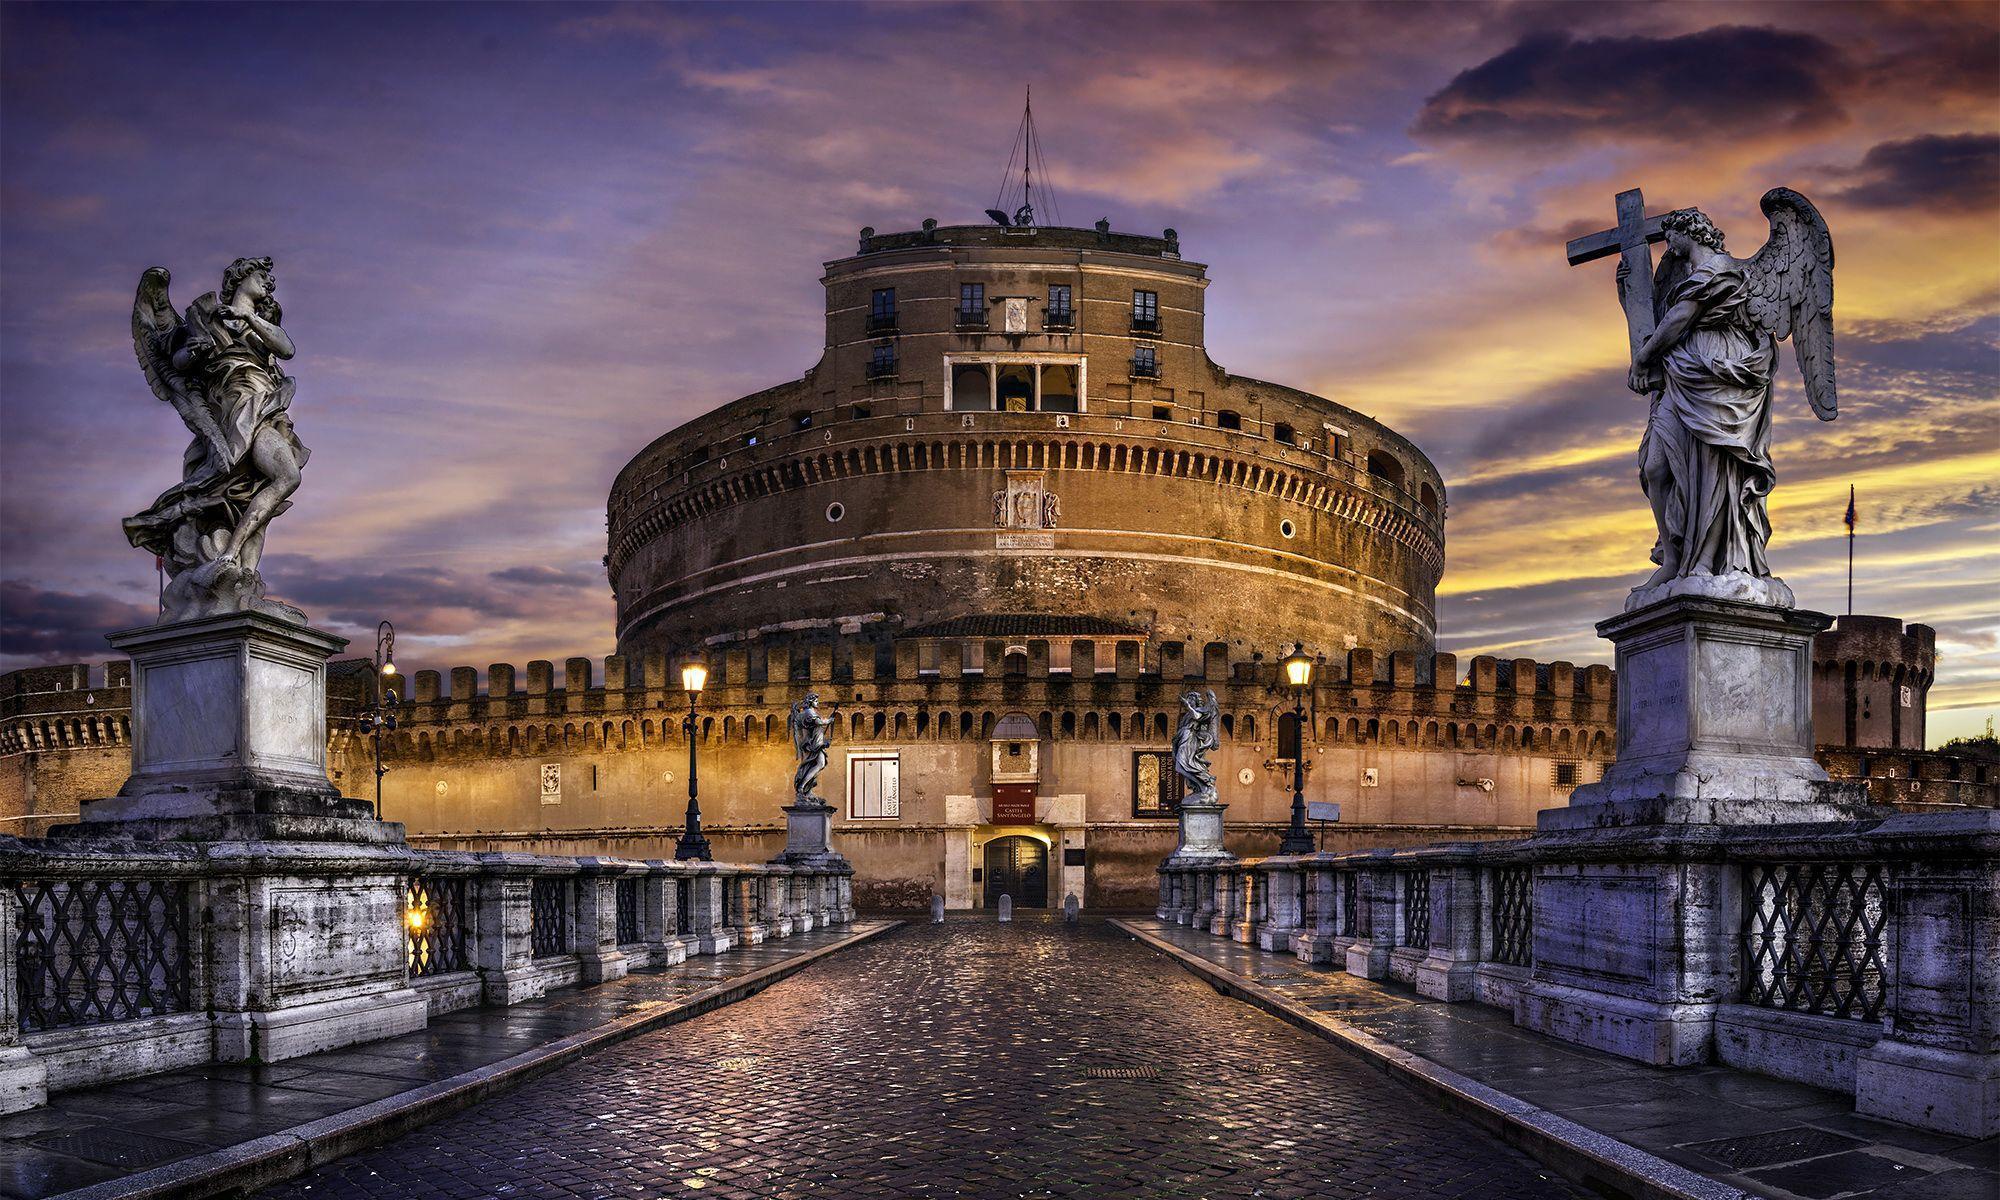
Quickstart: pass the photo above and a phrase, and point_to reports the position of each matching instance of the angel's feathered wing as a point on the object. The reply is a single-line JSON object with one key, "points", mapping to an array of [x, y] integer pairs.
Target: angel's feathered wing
{"points": [[155, 325], [1791, 291], [800, 737]]}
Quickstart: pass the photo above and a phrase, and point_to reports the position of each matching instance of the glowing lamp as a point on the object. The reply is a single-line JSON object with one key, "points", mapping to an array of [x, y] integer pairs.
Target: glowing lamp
{"points": [[693, 676], [417, 918], [1298, 667]]}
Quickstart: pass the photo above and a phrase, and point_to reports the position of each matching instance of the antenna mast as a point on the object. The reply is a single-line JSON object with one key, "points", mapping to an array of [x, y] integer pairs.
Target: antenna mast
{"points": [[1015, 205]]}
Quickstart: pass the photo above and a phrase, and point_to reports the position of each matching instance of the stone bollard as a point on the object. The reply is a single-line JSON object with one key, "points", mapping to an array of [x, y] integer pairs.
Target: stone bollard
{"points": [[1006, 907], [937, 909], [1070, 907]]}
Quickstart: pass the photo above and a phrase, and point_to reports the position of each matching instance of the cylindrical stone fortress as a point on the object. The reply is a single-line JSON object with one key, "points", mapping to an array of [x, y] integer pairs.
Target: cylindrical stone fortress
{"points": [[1025, 422]]}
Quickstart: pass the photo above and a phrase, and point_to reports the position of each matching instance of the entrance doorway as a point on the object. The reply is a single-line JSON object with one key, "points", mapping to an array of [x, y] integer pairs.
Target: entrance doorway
{"points": [[1018, 867]]}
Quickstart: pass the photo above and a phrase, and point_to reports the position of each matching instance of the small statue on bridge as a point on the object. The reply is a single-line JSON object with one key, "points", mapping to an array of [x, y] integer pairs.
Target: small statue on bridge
{"points": [[1194, 741], [218, 365], [811, 743]]}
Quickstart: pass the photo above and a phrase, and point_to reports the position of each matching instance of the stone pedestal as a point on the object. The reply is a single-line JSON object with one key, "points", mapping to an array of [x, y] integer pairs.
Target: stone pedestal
{"points": [[1201, 835], [229, 738], [1637, 918], [809, 835], [1714, 721]]}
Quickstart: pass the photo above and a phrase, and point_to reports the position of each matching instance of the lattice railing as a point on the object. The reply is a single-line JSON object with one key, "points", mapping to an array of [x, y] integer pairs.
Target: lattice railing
{"points": [[1417, 908], [683, 906], [434, 925], [1309, 899], [730, 916], [93, 951], [548, 917], [1813, 937], [1350, 904], [1513, 916], [626, 898]]}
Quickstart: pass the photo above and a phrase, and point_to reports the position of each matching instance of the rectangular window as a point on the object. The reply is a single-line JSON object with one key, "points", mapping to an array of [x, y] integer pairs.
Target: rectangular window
{"points": [[874, 786], [882, 311], [1060, 314], [1145, 310], [1288, 736], [1568, 773], [1144, 362], [882, 360], [972, 304], [1156, 789]]}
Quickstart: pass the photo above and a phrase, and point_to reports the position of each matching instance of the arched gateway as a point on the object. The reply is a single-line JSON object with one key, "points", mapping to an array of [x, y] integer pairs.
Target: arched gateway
{"points": [[1019, 867]]}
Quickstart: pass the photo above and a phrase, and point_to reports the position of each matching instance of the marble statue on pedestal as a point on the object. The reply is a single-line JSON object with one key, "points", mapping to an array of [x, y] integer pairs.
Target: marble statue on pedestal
{"points": [[1194, 741], [811, 744], [228, 686], [219, 366], [809, 818]]}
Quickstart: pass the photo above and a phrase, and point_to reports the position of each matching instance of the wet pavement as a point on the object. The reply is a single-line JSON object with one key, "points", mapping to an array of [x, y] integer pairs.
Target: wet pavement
{"points": [[965, 1059]]}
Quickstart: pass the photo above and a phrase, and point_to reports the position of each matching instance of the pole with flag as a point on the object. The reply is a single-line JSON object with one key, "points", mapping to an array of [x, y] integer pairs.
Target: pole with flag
{"points": [[1850, 549]]}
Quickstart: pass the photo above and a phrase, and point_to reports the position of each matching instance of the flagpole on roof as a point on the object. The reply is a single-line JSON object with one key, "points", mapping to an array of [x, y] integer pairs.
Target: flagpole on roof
{"points": [[1850, 549]]}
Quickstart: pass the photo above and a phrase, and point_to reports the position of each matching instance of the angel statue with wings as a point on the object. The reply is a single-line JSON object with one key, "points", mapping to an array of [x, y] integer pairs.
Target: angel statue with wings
{"points": [[1709, 365], [218, 365], [811, 744], [1194, 741]]}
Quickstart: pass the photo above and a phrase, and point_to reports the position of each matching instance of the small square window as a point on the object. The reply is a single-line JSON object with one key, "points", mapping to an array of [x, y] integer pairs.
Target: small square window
{"points": [[1144, 362], [882, 361], [1568, 774], [1162, 412]]}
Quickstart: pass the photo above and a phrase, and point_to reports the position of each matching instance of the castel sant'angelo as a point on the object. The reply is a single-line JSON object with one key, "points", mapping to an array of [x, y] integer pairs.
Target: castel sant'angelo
{"points": [[1008, 519]]}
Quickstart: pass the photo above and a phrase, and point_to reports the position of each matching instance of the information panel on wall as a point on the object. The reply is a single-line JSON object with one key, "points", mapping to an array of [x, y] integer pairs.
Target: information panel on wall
{"points": [[1014, 803]]}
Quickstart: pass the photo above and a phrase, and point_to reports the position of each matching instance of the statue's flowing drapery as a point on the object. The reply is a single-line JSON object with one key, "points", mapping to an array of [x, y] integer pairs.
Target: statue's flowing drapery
{"points": [[1711, 427]]}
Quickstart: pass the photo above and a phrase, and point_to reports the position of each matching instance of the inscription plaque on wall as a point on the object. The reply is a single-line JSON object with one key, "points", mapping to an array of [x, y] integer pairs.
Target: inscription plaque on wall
{"points": [[551, 783], [330, 935], [1014, 802]]}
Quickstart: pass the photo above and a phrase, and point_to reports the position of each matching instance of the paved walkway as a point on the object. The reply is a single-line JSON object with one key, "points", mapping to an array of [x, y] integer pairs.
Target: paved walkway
{"points": [[969, 1059], [102, 1136], [1763, 1136]]}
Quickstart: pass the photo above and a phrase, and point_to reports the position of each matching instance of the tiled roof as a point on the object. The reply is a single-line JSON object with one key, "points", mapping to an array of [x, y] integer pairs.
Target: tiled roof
{"points": [[1032, 625]]}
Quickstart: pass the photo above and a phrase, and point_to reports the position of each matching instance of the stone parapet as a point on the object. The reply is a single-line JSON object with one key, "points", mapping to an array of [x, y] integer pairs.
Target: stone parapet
{"points": [[1859, 955], [133, 957]]}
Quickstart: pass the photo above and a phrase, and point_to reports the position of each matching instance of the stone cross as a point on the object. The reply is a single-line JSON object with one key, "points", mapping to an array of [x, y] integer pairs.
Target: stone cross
{"points": [[1632, 238]]}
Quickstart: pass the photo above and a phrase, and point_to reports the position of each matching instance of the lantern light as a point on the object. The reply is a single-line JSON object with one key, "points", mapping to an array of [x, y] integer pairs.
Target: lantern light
{"points": [[693, 676], [1298, 667]]}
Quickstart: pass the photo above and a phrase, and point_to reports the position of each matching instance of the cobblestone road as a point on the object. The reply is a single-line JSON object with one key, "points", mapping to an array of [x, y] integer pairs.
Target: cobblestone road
{"points": [[970, 1059]]}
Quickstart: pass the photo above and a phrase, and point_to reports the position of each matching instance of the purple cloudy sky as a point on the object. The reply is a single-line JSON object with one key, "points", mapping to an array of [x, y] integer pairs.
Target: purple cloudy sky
{"points": [[515, 243]]}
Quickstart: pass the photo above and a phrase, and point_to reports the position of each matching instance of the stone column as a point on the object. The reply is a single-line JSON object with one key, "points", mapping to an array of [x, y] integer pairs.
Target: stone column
{"points": [[1378, 924], [657, 916], [1203, 911], [1314, 943], [24, 1079], [710, 935], [1226, 894], [1939, 1065], [747, 885], [1447, 972], [596, 933], [804, 919], [1281, 879], [778, 901], [503, 949], [843, 881], [1165, 911]]}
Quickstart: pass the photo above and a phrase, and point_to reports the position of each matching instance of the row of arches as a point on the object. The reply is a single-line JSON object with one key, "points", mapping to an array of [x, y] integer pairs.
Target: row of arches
{"points": [[1364, 507]]}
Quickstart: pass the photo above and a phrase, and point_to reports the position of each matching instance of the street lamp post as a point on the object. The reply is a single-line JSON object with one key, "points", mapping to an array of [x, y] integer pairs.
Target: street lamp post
{"points": [[1298, 673], [381, 713], [692, 844]]}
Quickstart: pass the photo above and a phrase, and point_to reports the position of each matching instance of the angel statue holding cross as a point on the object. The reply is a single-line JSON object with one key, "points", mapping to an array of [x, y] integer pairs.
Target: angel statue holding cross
{"points": [[1705, 329]]}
